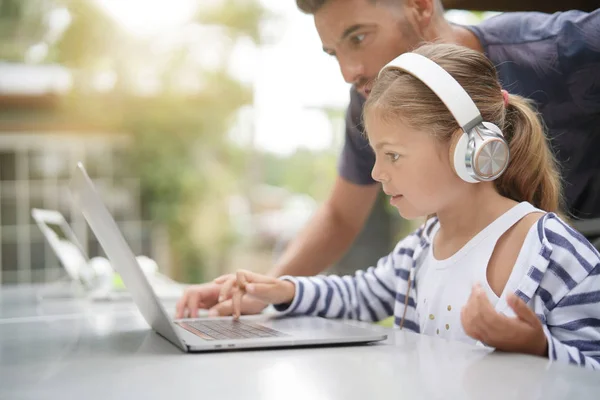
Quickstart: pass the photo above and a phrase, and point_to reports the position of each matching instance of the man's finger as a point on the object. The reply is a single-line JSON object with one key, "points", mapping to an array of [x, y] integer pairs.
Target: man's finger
{"points": [[522, 310]]}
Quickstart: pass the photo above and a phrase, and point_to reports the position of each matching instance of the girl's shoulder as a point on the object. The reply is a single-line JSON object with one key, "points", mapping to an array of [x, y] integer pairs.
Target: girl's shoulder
{"points": [[561, 241], [564, 251]]}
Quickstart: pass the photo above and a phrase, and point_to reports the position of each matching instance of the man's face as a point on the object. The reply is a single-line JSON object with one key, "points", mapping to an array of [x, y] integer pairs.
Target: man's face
{"points": [[363, 37]]}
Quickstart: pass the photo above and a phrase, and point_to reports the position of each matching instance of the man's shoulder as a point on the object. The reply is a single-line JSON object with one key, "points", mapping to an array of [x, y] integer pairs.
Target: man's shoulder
{"points": [[549, 58], [521, 28]]}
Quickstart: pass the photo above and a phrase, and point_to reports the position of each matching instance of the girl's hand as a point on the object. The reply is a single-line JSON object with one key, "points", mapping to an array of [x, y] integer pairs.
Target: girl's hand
{"points": [[523, 334], [262, 287]]}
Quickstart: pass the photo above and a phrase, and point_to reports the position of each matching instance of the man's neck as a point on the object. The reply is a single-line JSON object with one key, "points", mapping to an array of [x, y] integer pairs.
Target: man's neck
{"points": [[446, 32], [467, 38]]}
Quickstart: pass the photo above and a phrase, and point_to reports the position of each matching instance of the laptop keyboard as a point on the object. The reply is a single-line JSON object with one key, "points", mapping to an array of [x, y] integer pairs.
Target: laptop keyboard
{"points": [[230, 329]]}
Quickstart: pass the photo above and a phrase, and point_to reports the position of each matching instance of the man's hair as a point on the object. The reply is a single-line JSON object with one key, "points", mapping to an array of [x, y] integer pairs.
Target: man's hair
{"points": [[312, 6]]}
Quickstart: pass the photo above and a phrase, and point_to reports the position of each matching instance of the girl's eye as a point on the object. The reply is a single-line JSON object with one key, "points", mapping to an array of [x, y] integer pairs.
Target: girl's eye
{"points": [[393, 156], [357, 39]]}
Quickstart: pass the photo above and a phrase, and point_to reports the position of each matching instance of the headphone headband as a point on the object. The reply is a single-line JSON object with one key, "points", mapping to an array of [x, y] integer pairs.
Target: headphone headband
{"points": [[481, 153], [452, 94]]}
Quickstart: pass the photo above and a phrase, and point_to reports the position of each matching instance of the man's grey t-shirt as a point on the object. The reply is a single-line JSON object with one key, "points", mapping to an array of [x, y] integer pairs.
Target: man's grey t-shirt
{"points": [[553, 59]]}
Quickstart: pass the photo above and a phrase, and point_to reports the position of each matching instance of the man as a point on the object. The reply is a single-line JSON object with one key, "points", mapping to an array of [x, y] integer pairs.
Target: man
{"points": [[552, 59]]}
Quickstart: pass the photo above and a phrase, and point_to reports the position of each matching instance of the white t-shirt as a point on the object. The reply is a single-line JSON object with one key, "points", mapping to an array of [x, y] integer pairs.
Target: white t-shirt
{"points": [[444, 286]]}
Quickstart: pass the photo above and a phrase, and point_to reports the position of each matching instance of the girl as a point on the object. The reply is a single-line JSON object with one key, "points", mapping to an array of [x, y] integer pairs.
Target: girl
{"points": [[493, 263]]}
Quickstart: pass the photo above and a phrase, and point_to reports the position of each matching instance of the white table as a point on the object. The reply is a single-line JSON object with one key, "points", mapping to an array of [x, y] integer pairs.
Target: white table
{"points": [[74, 349]]}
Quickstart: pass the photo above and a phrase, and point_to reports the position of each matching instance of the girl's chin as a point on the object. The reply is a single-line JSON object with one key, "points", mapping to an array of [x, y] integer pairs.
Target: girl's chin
{"points": [[407, 212]]}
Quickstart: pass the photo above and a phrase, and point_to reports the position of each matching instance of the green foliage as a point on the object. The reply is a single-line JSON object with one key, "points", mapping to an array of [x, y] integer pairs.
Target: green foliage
{"points": [[21, 26], [239, 17], [181, 156], [180, 151], [179, 148], [303, 172], [90, 38]]}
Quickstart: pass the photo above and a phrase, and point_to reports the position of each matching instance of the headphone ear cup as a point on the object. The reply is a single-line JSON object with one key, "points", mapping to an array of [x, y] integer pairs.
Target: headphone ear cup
{"points": [[500, 153], [493, 128], [458, 156]]}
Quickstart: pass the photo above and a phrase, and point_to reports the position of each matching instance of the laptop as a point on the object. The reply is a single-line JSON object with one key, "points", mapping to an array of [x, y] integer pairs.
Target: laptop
{"points": [[63, 242], [98, 286], [204, 334]]}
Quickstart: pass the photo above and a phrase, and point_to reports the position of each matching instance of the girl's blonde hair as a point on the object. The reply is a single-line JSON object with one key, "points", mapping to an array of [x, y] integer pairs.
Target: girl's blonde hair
{"points": [[532, 174]]}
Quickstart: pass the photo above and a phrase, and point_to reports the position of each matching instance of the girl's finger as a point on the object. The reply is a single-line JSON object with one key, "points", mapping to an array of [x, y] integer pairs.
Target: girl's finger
{"points": [[221, 279], [226, 289], [237, 302]]}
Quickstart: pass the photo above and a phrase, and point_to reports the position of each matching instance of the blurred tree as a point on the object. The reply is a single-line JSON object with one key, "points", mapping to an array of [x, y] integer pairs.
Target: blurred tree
{"points": [[22, 25], [239, 17], [178, 127], [305, 171]]}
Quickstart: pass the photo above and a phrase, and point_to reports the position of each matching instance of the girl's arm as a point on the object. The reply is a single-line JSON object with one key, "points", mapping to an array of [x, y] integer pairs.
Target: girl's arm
{"points": [[368, 295]]}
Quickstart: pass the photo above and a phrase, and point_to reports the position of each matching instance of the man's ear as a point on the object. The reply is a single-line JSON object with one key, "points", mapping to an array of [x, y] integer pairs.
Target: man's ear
{"points": [[421, 12]]}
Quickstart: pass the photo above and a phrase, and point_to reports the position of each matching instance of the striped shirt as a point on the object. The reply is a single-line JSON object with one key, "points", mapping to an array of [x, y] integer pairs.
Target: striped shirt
{"points": [[562, 286]]}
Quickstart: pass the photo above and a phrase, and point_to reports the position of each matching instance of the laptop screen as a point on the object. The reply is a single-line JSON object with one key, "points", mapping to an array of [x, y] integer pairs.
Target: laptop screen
{"points": [[58, 230], [63, 242]]}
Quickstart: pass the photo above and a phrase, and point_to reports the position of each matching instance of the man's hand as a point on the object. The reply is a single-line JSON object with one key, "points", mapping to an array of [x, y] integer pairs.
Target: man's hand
{"points": [[523, 334]]}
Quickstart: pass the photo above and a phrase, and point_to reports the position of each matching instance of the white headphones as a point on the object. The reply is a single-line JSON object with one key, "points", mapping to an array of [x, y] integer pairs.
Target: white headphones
{"points": [[481, 153]]}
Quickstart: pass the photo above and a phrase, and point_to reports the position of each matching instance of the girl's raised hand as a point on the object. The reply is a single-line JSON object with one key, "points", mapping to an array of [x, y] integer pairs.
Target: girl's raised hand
{"points": [[265, 288], [523, 334]]}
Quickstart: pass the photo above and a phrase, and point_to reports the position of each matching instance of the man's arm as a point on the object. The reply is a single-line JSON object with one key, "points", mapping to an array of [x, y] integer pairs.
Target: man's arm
{"points": [[330, 232], [337, 223]]}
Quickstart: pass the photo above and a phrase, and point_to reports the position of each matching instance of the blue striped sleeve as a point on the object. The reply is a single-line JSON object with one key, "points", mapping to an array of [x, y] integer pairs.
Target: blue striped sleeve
{"points": [[570, 292], [573, 326], [367, 295]]}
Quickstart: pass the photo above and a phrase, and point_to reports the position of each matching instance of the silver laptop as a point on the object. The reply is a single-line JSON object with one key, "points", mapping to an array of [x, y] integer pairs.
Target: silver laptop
{"points": [[206, 334], [71, 255], [65, 245]]}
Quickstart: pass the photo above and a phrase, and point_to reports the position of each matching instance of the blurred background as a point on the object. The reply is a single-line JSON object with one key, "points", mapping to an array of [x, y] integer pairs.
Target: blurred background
{"points": [[211, 127]]}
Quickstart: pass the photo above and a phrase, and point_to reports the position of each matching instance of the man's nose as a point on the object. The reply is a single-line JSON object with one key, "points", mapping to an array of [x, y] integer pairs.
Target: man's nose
{"points": [[352, 70]]}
